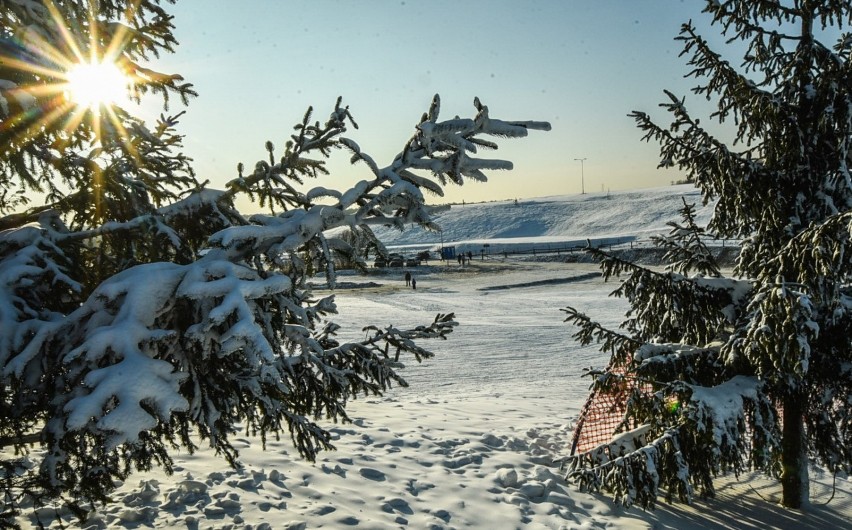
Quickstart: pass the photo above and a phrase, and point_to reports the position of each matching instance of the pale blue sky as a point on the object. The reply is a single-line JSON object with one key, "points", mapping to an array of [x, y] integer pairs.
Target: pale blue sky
{"points": [[582, 65]]}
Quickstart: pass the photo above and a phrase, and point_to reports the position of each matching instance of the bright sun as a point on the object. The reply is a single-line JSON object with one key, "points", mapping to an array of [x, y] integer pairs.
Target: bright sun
{"points": [[95, 84]]}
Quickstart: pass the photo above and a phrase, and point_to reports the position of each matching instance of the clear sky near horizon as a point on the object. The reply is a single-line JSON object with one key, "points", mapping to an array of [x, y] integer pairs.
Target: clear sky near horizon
{"points": [[582, 65]]}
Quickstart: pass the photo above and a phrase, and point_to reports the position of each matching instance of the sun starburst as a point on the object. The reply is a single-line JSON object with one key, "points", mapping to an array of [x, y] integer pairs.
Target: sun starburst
{"points": [[74, 79], [97, 84]]}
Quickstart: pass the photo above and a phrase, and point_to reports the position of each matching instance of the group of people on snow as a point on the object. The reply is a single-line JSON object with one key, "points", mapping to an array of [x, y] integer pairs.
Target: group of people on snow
{"points": [[462, 257]]}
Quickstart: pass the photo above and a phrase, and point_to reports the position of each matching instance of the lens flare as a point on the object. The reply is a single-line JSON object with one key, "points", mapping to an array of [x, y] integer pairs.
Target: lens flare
{"points": [[673, 405]]}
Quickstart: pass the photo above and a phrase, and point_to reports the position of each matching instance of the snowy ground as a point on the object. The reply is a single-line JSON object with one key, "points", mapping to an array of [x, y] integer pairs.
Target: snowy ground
{"points": [[471, 443]]}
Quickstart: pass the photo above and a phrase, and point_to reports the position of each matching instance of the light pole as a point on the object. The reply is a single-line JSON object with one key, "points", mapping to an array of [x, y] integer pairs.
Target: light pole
{"points": [[582, 177]]}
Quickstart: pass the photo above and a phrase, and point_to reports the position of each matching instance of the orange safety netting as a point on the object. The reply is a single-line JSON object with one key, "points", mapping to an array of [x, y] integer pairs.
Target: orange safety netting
{"points": [[604, 409], [603, 412]]}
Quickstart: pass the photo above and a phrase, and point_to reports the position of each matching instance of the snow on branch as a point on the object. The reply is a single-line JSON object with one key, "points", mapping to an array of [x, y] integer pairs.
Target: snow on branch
{"points": [[786, 314], [670, 362], [111, 332], [818, 253], [721, 408], [32, 268], [439, 147], [632, 469], [130, 327]]}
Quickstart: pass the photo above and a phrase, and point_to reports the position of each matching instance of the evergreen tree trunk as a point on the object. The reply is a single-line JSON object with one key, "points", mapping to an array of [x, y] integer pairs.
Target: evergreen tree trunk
{"points": [[794, 458]]}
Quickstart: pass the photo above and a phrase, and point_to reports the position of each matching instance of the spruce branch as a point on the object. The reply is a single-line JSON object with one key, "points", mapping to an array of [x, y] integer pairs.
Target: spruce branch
{"points": [[685, 247], [617, 344]]}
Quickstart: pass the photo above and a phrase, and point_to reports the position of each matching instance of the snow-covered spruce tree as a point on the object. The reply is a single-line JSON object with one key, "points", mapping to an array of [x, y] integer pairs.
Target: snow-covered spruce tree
{"points": [[752, 371], [141, 312]]}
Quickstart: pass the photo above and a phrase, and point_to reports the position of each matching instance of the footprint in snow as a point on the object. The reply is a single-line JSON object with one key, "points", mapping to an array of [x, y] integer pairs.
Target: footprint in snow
{"points": [[372, 474], [397, 505], [415, 486], [337, 470], [319, 511]]}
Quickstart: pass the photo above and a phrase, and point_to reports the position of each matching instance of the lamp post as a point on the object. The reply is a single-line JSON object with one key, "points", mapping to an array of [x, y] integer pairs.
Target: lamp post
{"points": [[582, 177]]}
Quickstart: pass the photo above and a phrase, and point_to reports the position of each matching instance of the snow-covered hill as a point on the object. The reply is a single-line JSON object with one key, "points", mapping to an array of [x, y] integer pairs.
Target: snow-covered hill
{"points": [[562, 220]]}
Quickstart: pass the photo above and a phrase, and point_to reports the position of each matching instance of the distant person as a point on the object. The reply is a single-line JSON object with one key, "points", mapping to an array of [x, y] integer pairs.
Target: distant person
{"points": [[413, 284], [407, 278], [469, 256]]}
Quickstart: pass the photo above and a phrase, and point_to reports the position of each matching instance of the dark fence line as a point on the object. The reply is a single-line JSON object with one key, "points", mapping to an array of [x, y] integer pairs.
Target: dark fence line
{"points": [[540, 249]]}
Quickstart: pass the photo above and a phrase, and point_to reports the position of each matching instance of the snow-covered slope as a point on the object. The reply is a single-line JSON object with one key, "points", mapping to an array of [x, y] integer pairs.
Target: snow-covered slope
{"points": [[563, 219]]}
